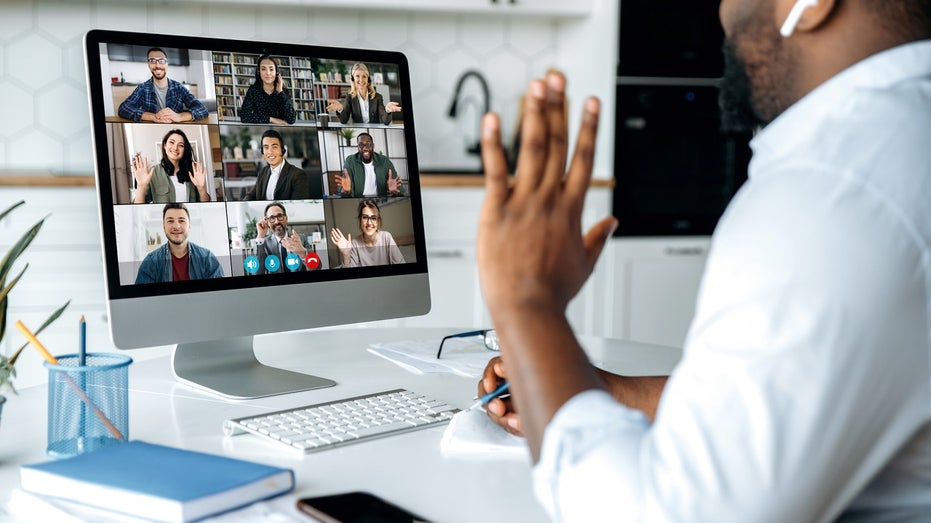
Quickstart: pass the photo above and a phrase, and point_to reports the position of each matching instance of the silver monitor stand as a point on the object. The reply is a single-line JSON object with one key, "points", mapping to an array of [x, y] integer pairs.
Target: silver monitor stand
{"points": [[229, 368]]}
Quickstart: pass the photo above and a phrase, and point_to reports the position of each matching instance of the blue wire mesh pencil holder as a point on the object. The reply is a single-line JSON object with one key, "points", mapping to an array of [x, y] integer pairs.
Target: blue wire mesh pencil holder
{"points": [[88, 406]]}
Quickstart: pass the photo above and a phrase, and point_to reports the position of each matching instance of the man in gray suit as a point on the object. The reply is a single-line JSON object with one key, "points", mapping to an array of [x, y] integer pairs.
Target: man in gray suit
{"points": [[274, 239]]}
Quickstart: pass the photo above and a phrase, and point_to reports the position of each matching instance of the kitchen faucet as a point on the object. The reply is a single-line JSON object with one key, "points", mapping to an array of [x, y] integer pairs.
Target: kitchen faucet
{"points": [[475, 148]]}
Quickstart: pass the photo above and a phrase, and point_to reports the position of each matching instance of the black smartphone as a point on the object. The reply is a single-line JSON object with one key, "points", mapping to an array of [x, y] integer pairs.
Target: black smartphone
{"points": [[355, 507]]}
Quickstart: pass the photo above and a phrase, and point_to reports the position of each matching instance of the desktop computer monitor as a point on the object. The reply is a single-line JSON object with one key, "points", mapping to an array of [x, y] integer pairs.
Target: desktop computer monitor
{"points": [[247, 188]]}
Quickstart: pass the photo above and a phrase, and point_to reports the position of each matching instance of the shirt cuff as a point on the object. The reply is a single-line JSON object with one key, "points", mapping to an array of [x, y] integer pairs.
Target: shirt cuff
{"points": [[260, 241], [590, 437]]}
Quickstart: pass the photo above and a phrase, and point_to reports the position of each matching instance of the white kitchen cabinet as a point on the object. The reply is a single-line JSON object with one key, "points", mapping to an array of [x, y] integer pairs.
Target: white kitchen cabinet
{"points": [[657, 281]]}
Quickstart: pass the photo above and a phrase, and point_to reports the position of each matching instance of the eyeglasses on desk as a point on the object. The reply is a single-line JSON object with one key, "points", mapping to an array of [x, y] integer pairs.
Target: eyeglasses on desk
{"points": [[489, 338]]}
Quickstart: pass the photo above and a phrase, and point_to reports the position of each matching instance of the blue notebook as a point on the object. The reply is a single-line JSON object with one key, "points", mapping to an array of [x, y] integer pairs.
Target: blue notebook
{"points": [[156, 482]]}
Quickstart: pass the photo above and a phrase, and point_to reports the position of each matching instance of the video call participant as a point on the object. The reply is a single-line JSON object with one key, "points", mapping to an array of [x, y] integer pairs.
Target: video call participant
{"points": [[804, 391], [278, 180], [179, 259], [177, 178], [376, 247], [367, 173], [273, 238], [362, 103], [267, 100], [161, 99]]}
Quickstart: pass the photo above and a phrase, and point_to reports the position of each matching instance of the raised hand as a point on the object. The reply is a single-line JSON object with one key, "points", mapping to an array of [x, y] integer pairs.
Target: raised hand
{"points": [[393, 107], [294, 244], [141, 172], [541, 215], [343, 243], [334, 105], [394, 183], [345, 182], [198, 176]]}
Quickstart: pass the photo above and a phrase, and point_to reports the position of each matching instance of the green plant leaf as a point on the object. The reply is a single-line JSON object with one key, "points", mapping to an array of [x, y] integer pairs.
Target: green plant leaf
{"points": [[18, 249], [6, 290], [48, 321], [7, 264], [10, 209], [4, 301]]}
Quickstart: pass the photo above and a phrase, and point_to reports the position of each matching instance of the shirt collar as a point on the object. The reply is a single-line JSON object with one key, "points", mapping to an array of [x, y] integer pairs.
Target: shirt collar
{"points": [[793, 128]]}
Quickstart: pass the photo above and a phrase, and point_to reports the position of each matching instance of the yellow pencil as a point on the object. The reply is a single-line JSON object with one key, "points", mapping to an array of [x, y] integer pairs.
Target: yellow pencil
{"points": [[80, 392]]}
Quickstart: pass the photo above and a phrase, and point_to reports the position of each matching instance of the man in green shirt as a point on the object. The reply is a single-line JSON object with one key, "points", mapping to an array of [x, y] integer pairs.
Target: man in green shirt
{"points": [[367, 173]]}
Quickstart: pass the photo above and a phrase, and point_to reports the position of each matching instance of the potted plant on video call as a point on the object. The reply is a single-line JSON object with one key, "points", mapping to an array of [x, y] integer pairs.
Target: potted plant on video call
{"points": [[7, 369]]}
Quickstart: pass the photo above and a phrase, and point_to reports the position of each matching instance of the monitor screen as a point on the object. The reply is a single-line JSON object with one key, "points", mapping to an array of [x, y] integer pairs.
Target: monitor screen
{"points": [[251, 188]]}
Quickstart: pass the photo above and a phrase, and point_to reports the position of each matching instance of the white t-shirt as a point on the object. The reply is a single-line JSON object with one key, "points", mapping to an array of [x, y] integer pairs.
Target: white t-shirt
{"points": [[804, 392], [370, 188], [180, 189]]}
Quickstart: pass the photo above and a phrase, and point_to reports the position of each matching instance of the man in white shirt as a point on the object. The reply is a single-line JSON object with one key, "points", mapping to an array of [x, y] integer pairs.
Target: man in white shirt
{"points": [[804, 392]]}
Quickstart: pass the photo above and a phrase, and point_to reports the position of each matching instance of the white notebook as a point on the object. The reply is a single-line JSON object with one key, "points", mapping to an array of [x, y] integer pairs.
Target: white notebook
{"points": [[471, 433]]}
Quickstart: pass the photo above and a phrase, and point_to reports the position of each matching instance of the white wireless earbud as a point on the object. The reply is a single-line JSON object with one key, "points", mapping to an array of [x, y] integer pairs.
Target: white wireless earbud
{"points": [[788, 27]]}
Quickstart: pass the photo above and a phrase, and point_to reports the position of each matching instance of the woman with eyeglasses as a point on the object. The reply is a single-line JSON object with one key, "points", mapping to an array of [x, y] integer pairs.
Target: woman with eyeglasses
{"points": [[176, 179], [375, 247], [362, 103]]}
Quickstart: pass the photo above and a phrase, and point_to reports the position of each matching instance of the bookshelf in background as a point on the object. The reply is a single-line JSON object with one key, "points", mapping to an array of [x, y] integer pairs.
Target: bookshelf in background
{"points": [[328, 90], [303, 90]]}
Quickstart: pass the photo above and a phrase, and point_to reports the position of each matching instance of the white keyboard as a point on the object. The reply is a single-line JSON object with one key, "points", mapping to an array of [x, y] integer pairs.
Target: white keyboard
{"points": [[319, 427]]}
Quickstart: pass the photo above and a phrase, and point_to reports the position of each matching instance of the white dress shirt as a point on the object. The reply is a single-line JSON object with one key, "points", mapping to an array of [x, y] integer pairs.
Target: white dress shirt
{"points": [[804, 392], [273, 181], [364, 106]]}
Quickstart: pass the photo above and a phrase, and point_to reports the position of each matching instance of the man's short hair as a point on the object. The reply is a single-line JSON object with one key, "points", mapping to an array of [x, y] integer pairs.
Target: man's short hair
{"points": [[271, 133], [175, 206], [365, 134], [275, 204], [155, 49]]}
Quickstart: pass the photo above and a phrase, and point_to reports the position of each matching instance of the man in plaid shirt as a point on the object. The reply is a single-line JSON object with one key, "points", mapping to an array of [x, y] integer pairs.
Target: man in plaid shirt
{"points": [[161, 99]]}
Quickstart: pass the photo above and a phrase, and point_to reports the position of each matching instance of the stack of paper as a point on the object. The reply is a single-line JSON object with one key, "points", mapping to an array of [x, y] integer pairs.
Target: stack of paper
{"points": [[463, 356]]}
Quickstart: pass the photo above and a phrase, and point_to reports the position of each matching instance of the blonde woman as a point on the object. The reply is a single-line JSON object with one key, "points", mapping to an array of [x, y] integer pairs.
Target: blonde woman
{"points": [[362, 103]]}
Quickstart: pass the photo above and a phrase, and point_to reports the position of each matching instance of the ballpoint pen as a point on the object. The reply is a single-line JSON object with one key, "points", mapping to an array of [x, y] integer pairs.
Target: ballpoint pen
{"points": [[497, 393]]}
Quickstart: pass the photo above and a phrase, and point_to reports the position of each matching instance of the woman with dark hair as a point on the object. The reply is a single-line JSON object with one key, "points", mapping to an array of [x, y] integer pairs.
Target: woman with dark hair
{"points": [[374, 247], [267, 100], [362, 104], [176, 179]]}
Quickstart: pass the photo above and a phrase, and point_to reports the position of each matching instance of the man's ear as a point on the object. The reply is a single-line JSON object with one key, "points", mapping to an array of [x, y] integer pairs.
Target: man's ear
{"points": [[803, 15]]}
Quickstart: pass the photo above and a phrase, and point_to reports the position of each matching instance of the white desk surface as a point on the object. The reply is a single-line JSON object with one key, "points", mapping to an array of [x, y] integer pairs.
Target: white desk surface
{"points": [[407, 469]]}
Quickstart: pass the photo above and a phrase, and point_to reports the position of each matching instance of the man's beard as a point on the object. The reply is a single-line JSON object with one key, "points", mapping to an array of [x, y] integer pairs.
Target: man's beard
{"points": [[735, 96]]}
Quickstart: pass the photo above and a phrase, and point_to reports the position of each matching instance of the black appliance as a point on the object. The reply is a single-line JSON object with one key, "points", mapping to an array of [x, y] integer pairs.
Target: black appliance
{"points": [[675, 171]]}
